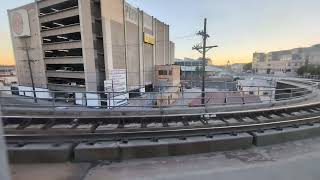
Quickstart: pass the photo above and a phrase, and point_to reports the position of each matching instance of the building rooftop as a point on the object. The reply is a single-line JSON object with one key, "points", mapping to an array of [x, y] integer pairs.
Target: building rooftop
{"points": [[255, 82]]}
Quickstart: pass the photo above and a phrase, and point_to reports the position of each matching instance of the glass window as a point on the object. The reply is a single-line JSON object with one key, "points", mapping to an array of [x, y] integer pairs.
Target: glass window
{"points": [[163, 72]]}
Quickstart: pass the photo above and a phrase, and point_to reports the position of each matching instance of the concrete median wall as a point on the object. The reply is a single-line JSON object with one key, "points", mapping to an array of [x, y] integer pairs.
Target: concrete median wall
{"points": [[134, 149], [39, 153], [270, 137], [164, 147]]}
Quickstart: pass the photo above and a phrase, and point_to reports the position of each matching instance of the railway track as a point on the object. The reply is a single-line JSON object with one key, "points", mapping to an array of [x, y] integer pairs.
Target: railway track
{"points": [[81, 129], [87, 138], [155, 135]]}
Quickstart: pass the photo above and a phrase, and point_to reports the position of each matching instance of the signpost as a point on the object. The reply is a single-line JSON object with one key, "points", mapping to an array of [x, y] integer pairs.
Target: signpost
{"points": [[116, 88]]}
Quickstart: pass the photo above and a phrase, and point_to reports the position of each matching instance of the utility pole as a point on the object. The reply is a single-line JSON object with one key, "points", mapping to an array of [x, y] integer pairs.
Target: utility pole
{"points": [[203, 50], [30, 70]]}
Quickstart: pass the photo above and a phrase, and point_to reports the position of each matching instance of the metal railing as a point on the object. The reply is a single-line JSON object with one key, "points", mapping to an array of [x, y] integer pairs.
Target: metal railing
{"points": [[149, 100]]}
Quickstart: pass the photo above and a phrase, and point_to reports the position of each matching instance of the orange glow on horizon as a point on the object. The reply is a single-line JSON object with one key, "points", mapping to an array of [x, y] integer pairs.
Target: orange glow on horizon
{"points": [[7, 59]]}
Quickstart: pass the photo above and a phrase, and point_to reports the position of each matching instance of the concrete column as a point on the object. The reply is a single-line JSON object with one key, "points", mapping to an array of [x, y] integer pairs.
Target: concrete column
{"points": [[107, 40], [112, 15], [88, 50], [168, 44], [154, 32], [164, 44], [141, 46]]}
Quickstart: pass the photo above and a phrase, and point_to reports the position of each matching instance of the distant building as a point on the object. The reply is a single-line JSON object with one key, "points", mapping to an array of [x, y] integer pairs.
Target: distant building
{"points": [[237, 68], [7, 75], [7, 70], [167, 76], [191, 68], [190, 62], [285, 62], [168, 83], [263, 87]]}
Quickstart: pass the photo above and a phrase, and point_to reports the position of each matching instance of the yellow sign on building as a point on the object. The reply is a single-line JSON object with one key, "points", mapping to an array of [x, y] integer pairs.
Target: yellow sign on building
{"points": [[149, 39]]}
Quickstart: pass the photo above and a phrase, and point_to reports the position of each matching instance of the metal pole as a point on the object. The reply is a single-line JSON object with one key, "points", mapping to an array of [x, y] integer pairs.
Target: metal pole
{"points": [[4, 167], [203, 61], [30, 71]]}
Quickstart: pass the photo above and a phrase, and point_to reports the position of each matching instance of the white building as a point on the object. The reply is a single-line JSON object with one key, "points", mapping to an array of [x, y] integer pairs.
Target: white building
{"points": [[286, 62], [263, 87]]}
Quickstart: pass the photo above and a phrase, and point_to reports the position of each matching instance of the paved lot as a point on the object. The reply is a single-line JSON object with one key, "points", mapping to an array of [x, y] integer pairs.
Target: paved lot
{"points": [[291, 161]]}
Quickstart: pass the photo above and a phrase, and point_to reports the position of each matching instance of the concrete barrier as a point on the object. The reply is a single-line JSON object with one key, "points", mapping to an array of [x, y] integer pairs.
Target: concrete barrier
{"points": [[39, 153], [143, 149], [134, 149], [196, 145], [269, 137], [97, 151]]}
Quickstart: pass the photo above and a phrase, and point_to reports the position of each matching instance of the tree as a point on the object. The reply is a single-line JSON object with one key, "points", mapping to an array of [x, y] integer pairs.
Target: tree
{"points": [[301, 70], [247, 67], [309, 69]]}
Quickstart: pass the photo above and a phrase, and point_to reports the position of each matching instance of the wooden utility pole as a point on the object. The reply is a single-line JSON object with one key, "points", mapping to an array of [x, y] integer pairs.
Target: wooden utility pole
{"points": [[203, 50]]}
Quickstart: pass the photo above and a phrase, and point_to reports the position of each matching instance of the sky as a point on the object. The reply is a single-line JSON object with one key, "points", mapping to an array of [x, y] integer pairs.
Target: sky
{"points": [[238, 27]]}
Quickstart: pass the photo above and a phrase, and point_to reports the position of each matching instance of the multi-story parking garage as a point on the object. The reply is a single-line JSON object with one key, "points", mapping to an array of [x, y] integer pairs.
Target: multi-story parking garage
{"points": [[75, 45]]}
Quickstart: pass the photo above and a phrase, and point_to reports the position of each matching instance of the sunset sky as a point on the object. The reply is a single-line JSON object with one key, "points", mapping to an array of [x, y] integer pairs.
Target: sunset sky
{"points": [[238, 27]]}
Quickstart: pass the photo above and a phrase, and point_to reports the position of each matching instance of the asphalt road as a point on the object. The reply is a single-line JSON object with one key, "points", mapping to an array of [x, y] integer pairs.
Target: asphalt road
{"points": [[291, 161]]}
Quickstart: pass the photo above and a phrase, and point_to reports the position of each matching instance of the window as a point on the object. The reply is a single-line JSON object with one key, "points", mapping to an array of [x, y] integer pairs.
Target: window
{"points": [[265, 93], [163, 72], [251, 92], [170, 72]]}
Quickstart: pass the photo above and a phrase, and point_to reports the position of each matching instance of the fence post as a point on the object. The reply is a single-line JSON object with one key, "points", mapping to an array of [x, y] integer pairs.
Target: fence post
{"points": [[109, 100], [182, 92], [205, 102], [160, 102], [53, 99], [83, 100]]}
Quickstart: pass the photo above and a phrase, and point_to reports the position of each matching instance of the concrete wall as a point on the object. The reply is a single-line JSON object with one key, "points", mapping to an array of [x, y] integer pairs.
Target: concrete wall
{"points": [[34, 46], [172, 52], [167, 44], [172, 79], [160, 59], [133, 32]]}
